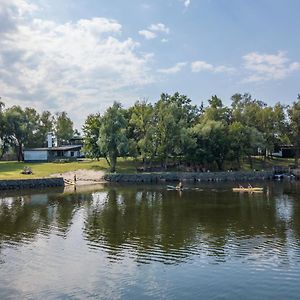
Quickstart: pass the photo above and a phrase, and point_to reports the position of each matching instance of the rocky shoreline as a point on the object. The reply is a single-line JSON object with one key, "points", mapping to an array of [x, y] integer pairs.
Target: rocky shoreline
{"points": [[189, 176], [38, 183], [19, 184]]}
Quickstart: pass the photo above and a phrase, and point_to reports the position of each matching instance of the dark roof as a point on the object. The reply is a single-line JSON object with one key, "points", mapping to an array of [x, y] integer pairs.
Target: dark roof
{"points": [[62, 148]]}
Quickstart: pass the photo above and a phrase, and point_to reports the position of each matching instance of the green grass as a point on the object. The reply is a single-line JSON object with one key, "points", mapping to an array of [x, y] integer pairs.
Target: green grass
{"points": [[12, 169], [260, 164]]}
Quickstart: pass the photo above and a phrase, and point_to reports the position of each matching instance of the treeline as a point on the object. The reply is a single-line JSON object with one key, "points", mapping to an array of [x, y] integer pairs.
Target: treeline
{"points": [[27, 128], [174, 131]]}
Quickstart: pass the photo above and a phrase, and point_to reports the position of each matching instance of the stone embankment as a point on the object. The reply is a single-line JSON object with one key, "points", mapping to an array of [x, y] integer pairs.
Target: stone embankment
{"points": [[19, 184], [192, 177]]}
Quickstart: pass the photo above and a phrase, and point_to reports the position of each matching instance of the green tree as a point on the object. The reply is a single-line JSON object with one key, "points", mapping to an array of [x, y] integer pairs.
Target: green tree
{"points": [[141, 127], [174, 115], [294, 115], [91, 130], [16, 129], [63, 128], [4, 136], [46, 121], [113, 141]]}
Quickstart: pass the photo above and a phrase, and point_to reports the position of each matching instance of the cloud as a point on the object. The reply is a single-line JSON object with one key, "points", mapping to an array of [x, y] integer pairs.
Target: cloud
{"points": [[186, 3], [153, 30], [160, 27], [80, 67], [202, 66], [264, 67], [173, 70], [149, 35]]}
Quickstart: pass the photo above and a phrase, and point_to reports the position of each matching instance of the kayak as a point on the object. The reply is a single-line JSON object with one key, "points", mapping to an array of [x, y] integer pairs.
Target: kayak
{"points": [[173, 187], [248, 189]]}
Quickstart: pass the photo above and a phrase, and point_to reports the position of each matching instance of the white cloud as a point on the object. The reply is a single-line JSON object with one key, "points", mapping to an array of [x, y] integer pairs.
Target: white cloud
{"points": [[186, 3], [80, 67], [160, 27], [175, 69], [153, 30], [264, 67], [149, 35], [202, 66]]}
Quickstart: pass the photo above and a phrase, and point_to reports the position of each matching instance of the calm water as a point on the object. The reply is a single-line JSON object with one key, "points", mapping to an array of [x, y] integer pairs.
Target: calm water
{"points": [[145, 242]]}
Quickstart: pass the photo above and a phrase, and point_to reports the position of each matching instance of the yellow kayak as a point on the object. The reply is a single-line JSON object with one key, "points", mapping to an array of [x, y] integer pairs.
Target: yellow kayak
{"points": [[248, 189]]}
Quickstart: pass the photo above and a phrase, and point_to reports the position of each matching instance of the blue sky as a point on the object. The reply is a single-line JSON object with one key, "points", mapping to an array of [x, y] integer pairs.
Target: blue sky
{"points": [[82, 55]]}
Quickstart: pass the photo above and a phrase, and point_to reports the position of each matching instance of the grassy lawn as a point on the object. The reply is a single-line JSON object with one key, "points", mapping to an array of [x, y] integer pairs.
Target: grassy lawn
{"points": [[12, 169], [260, 164]]}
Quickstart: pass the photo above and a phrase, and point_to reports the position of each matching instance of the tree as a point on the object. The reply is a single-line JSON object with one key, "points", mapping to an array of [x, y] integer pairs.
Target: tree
{"points": [[46, 124], [63, 128], [91, 130], [140, 125], [174, 114], [16, 129], [212, 141], [4, 137], [294, 115], [113, 141]]}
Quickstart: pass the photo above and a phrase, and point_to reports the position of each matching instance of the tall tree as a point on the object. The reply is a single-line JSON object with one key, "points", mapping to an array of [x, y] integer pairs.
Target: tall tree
{"points": [[113, 141], [294, 115], [91, 130], [4, 135], [140, 125], [16, 126], [174, 114], [63, 128], [46, 124]]}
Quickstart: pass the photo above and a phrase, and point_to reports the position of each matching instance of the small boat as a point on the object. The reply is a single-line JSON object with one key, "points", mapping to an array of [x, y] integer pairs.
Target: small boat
{"points": [[173, 187], [248, 189], [69, 182]]}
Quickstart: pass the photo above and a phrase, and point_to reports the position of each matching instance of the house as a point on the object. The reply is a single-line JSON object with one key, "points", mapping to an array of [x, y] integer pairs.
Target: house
{"points": [[284, 151], [52, 152]]}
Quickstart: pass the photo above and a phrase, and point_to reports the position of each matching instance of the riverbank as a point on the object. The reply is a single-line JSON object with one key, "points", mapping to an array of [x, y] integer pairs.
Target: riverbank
{"points": [[38, 183], [239, 176], [89, 177]]}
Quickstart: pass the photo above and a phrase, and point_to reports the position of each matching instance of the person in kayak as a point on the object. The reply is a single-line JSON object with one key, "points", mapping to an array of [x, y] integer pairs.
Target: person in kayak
{"points": [[179, 185]]}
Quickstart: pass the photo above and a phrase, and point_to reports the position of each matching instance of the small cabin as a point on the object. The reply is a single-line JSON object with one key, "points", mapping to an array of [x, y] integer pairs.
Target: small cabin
{"points": [[52, 152], [284, 151]]}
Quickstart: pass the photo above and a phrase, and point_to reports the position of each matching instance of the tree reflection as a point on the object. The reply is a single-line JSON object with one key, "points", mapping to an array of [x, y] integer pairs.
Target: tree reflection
{"points": [[156, 224], [148, 223]]}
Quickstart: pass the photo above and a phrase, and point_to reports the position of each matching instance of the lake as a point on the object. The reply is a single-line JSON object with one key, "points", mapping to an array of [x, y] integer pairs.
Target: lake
{"points": [[147, 242]]}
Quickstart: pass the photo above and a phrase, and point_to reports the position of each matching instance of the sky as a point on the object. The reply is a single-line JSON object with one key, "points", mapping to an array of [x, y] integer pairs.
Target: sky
{"points": [[80, 56]]}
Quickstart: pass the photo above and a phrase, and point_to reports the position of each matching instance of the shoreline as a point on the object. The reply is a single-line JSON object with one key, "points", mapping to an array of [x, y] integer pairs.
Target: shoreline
{"points": [[84, 178], [237, 176]]}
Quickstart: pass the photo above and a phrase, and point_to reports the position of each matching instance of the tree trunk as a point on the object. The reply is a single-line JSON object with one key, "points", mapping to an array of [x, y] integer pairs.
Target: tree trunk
{"points": [[297, 155], [250, 162], [113, 163], [20, 152], [107, 160], [238, 162], [219, 164]]}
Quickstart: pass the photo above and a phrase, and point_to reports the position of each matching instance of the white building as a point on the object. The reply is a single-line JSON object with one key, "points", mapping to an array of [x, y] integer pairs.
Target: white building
{"points": [[52, 152]]}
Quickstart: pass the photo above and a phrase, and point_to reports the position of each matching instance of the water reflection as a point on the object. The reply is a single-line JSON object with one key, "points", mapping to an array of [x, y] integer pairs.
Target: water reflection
{"points": [[153, 224], [128, 238]]}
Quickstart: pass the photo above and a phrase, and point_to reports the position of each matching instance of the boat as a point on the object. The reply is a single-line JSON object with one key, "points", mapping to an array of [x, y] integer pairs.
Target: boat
{"points": [[69, 182], [248, 189], [174, 187]]}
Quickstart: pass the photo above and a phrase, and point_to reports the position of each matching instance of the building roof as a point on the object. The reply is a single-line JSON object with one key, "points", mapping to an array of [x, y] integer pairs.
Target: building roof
{"points": [[62, 148]]}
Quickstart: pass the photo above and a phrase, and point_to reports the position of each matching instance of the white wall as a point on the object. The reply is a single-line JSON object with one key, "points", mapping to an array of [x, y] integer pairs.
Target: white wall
{"points": [[35, 155]]}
